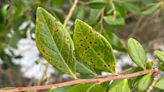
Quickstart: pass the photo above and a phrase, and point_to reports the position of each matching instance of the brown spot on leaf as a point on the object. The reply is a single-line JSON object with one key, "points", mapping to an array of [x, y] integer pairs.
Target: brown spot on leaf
{"points": [[56, 30], [86, 49], [105, 65]]}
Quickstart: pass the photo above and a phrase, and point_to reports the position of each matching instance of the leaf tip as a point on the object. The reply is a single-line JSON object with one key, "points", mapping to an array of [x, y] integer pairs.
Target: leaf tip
{"points": [[131, 39], [78, 21], [39, 9]]}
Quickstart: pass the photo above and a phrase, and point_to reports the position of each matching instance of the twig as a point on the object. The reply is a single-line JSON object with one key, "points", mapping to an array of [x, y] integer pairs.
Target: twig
{"points": [[94, 80], [43, 75], [101, 20], [155, 79], [70, 13]]}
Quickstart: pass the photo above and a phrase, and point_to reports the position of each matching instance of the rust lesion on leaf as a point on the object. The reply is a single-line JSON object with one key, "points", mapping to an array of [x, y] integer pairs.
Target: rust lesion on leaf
{"points": [[90, 63], [55, 20], [98, 54], [56, 30]]}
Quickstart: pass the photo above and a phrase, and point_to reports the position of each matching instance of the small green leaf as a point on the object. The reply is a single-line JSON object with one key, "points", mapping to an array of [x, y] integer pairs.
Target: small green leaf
{"points": [[119, 86], [161, 64], [87, 87], [152, 7], [114, 40], [121, 9], [7, 88], [4, 10], [96, 4], [159, 55], [93, 48], [160, 83], [144, 82], [80, 12], [114, 21], [94, 16], [61, 89], [134, 9], [54, 42], [57, 3], [137, 52]]}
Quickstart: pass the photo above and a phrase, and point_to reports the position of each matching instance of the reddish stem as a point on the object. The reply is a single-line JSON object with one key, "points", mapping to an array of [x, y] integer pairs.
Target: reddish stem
{"points": [[95, 80]]}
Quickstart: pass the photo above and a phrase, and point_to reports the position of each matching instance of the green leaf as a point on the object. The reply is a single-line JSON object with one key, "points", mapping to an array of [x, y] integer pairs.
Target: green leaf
{"points": [[159, 55], [121, 9], [144, 82], [119, 86], [57, 3], [93, 16], [62, 89], [152, 7], [93, 48], [114, 40], [134, 9], [87, 87], [160, 83], [7, 88], [79, 13], [96, 4], [54, 42], [161, 64], [137, 52], [114, 21]]}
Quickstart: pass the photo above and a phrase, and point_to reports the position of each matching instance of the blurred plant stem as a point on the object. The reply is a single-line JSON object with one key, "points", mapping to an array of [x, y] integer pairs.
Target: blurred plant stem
{"points": [[70, 13]]}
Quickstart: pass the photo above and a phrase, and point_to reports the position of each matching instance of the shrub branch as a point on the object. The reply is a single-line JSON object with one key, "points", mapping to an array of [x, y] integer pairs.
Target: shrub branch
{"points": [[77, 81], [70, 13]]}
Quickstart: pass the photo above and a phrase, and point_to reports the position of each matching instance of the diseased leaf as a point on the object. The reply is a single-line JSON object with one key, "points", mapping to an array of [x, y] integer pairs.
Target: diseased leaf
{"points": [[54, 42], [114, 40], [119, 86], [136, 52], [144, 82], [160, 83], [159, 55], [93, 48]]}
